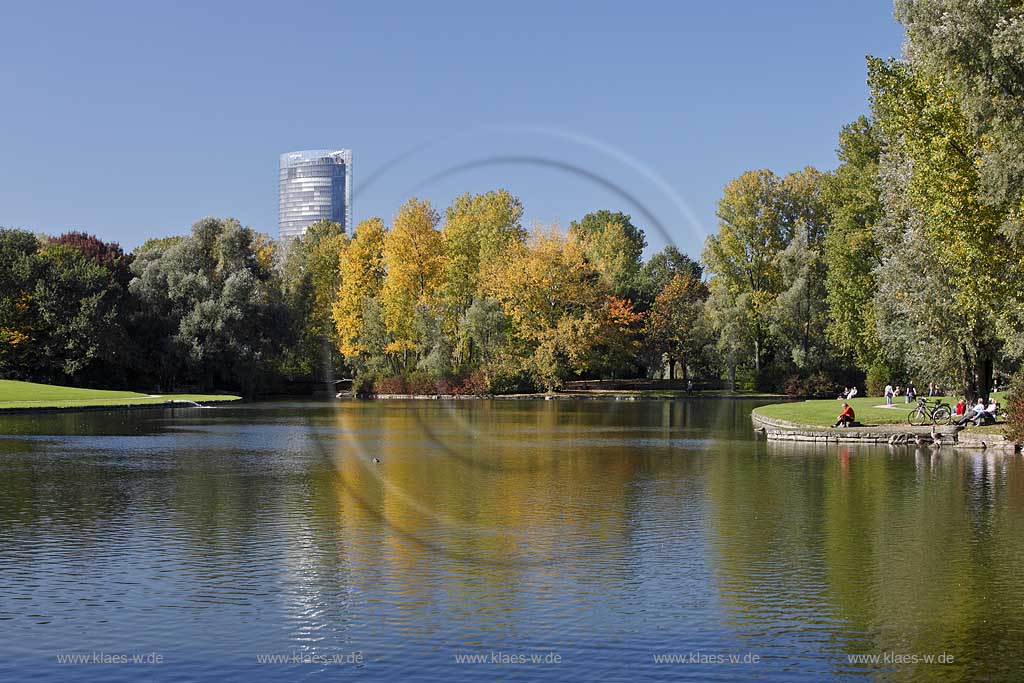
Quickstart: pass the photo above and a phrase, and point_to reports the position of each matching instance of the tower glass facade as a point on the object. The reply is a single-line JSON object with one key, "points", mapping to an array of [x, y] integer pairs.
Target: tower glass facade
{"points": [[315, 185]]}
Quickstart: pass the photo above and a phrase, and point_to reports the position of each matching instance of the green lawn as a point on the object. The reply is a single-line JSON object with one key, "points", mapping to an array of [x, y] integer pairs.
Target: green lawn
{"points": [[15, 394], [824, 412]]}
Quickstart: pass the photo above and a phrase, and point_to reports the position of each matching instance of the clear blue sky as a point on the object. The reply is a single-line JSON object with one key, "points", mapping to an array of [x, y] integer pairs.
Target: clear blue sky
{"points": [[133, 120]]}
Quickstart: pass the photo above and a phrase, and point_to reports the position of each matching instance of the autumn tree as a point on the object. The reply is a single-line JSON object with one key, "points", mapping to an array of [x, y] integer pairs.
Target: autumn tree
{"points": [[552, 297], [977, 50], [674, 325], [659, 270], [413, 263], [361, 277], [477, 229]]}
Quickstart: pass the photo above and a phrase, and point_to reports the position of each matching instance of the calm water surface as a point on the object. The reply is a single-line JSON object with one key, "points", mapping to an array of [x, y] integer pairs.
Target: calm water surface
{"points": [[597, 537]]}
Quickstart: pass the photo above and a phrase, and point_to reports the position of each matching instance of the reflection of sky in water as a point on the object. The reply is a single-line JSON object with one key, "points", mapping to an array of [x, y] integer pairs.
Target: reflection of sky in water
{"points": [[606, 532]]}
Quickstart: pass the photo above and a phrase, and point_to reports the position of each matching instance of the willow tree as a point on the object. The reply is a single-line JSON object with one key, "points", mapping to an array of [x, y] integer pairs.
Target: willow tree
{"points": [[944, 243], [978, 48]]}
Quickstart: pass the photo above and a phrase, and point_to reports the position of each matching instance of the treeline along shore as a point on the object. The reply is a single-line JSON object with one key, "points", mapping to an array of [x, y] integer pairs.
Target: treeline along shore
{"points": [[902, 265]]}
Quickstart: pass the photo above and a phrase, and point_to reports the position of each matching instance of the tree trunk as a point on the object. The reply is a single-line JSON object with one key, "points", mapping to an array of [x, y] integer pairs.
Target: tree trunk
{"points": [[983, 374], [970, 386]]}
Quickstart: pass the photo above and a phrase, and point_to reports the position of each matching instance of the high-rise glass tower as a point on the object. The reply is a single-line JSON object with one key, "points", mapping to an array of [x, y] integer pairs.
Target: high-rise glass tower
{"points": [[315, 185]]}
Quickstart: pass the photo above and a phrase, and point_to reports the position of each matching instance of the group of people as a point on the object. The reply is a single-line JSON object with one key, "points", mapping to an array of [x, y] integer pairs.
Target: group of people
{"points": [[910, 392], [979, 414], [848, 393]]}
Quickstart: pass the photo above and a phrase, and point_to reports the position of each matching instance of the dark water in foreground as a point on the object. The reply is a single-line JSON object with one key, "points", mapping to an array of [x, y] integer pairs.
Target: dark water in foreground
{"points": [[595, 537]]}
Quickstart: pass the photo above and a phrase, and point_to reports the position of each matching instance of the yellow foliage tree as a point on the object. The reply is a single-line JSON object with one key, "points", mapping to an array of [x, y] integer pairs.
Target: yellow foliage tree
{"points": [[361, 268], [554, 299], [413, 260]]}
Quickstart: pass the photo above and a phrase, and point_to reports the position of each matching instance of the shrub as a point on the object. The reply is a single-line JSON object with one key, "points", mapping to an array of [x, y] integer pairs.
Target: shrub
{"points": [[878, 375], [816, 385], [421, 383], [515, 382], [391, 385], [474, 384], [771, 378], [363, 385]]}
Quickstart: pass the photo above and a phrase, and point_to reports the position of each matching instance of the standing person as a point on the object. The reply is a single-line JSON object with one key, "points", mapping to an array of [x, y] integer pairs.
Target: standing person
{"points": [[931, 389], [689, 387], [911, 392], [846, 417], [889, 393]]}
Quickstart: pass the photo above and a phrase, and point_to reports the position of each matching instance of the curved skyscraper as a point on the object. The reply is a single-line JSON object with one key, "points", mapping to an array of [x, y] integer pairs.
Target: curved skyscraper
{"points": [[315, 185]]}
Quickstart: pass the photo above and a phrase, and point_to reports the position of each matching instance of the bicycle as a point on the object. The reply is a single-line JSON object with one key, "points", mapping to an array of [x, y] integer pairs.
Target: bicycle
{"points": [[939, 414]]}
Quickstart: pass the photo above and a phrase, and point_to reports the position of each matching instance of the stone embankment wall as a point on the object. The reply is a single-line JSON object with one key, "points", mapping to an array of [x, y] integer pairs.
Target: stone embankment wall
{"points": [[783, 430]]}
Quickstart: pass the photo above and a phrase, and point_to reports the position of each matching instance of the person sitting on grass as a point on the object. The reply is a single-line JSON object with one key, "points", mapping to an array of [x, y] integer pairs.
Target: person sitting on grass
{"points": [[843, 394], [961, 407], [846, 417], [977, 414], [852, 392]]}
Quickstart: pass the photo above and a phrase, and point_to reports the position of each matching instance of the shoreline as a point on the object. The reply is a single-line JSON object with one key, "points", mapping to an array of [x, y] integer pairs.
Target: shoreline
{"points": [[776, 429], [597, 395], [130, 405]]}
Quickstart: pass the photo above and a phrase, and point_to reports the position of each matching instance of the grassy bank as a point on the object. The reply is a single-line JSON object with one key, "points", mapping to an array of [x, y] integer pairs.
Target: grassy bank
{"points": [[869, 410], [27, 395]]}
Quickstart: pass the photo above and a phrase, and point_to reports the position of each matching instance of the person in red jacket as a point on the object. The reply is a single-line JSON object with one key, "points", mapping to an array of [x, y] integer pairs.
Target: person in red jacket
{"points": [[846, 417]]}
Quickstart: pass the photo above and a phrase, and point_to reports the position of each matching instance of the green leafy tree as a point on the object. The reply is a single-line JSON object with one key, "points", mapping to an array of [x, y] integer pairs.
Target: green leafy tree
{"points": [[977, 47], [940, 226], [852, 251], [19, 270], [311, 279], [742, 257], [218, 295], [659, 270], [614, 246]]}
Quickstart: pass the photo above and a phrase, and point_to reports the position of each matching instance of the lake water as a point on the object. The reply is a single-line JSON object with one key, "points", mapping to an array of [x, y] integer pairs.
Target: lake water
{"points": [[554, 540]]}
